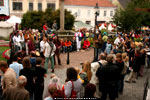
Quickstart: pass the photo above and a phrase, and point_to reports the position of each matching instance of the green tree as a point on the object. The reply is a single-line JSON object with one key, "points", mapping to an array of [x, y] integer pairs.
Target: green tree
{"points": [[36, 19], [32, 20], [130, 19]]}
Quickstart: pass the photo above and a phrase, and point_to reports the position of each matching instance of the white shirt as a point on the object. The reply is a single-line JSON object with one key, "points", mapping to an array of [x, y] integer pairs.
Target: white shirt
{"points": [[47, 49], [77, 87], [21, 39], [77, 35], [42, 44], [16, 41], [117, 40], [94, 68]]}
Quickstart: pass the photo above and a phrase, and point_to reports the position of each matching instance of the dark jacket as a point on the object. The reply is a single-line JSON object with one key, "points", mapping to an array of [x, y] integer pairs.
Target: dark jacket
{"points": [[108, 76], [137, 63], [99, 44]]}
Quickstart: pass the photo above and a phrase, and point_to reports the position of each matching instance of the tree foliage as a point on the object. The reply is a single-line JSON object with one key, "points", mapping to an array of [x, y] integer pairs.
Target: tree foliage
{"points": [[130, 19], [36, 19]]}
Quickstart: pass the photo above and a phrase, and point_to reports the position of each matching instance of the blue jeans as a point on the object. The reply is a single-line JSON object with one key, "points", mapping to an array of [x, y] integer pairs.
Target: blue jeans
{"points": [[68, 49], [97, 51], [46, 62]]}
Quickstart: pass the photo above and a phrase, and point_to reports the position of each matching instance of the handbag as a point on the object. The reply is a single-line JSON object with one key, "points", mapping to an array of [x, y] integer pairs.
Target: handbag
{"points": [[73, 92]]}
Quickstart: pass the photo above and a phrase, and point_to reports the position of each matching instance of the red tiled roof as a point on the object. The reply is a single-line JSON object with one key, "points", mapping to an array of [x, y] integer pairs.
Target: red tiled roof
{"points": [[101, 3]]}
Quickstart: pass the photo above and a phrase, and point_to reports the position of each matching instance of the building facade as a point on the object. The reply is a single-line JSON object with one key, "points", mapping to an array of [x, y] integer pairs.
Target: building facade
{"points": [[84, 10], [4, 7], [121, 4], [19, 7]]}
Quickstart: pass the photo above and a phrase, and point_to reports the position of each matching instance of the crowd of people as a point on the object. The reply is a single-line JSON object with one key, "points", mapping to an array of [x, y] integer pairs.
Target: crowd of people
{"points": [[31, 51]]}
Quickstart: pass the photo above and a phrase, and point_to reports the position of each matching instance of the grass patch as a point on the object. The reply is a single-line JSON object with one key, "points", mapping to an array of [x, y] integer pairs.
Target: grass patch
{"points": [[2, 49]]}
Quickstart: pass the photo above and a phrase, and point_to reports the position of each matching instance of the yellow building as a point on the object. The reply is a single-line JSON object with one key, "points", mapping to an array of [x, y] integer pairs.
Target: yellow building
{"points": [[19, 7]]}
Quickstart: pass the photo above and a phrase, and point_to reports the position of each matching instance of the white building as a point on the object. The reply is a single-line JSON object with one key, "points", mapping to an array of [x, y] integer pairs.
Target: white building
{"points": [[84, 10], [19, 7], [4, 7]]}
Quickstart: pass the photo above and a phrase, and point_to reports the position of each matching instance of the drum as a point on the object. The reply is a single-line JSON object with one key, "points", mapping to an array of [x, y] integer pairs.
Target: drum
{"points": [[148, 54]]}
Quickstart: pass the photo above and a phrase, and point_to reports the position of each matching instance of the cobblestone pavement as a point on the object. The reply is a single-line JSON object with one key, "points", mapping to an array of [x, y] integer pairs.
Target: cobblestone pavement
{"points": [[132, 91]]}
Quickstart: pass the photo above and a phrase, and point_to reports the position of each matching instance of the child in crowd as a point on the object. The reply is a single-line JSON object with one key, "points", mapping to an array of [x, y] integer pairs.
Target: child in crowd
{"points": [[108, 47]]}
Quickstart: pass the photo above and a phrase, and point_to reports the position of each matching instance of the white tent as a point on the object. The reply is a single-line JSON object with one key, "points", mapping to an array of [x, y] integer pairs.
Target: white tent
{"points": [[14, 20], [102, 27], [5, 29], [80, 25], [110, 28]]}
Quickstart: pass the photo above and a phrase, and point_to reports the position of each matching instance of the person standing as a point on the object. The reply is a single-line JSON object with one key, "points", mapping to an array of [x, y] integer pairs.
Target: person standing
{"points": [[58, 47], [21, 39], [42, 45], [29, 74], [9, 77], [74, 46], [108, 47], [78, 36], [16, 66], [98, 47], [39, 75], [49, 51], [102, 61], [18, 92], [16, 42], [118, 40], [108, 78], [30, 45]]}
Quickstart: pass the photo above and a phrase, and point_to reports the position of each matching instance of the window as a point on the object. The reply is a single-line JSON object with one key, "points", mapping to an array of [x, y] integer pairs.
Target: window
{"points": [[88, 13], [1, 2], [17, 5], [88, 22], [51, 5], [105, 13], [30, 6], [79, 12], [39, 6], [111, 13]]}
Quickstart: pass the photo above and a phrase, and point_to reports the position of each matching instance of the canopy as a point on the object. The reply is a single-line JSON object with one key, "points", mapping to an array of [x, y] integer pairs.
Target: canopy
{"points": [[102, 27], [80, 24], [14, 20], [110, 28], [5, 24]]}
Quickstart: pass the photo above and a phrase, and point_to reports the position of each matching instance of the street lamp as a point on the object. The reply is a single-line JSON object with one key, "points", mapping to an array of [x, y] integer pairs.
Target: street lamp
{"points": [[95, 36]]}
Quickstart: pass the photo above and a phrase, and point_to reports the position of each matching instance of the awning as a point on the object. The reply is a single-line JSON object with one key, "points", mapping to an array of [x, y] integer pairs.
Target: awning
{"points": [[14, 20], [80, 24]]}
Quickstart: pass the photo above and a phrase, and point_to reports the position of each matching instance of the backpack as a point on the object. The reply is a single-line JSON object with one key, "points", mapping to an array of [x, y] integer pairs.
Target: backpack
{"points": [[100, 64]]}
